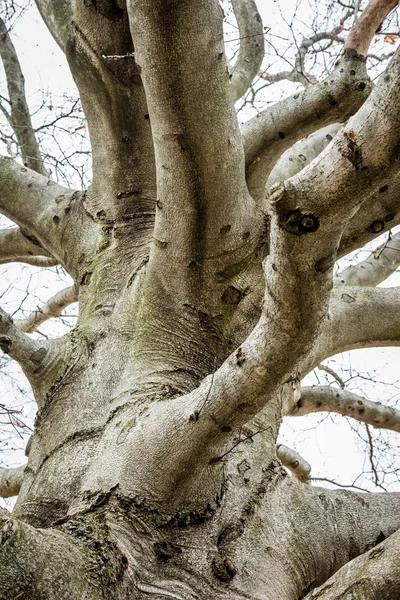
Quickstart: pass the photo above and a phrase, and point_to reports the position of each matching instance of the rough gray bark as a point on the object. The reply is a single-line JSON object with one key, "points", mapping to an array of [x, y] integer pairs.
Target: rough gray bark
{"points": [[375, 574], [153, 469]]}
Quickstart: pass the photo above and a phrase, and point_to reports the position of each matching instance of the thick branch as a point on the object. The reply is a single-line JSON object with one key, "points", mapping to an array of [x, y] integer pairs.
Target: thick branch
{"points": [[53, 308], [366, 26], [362, 318], [46, 564], [343, 402], [57, 16], [20, 115], [278, 127], [38, 206], [379, 265], [15, 247], [29, 353], [270, 133], [196, 136], [301, 154], [101, 57], [290, 459], [251, 52], [379, 213], [375, 575], [361, 520], [11, 481]]}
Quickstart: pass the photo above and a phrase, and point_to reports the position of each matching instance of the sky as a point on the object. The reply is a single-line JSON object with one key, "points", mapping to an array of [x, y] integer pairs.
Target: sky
{"points": [[333, 449]]}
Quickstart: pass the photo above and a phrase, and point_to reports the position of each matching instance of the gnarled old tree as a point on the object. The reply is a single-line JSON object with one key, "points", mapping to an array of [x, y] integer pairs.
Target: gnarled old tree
{"points": [[206, 293]]}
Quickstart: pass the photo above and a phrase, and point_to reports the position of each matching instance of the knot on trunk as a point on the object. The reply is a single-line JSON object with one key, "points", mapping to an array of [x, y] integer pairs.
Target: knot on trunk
{"points": [[224, 568]]}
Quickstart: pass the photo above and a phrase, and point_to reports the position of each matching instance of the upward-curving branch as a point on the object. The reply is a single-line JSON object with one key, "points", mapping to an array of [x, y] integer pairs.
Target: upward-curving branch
{"points": [[251, 51]]}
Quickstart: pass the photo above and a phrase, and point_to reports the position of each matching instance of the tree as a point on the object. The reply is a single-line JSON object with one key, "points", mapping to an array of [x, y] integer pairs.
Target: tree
{"points": [[153, 468]]}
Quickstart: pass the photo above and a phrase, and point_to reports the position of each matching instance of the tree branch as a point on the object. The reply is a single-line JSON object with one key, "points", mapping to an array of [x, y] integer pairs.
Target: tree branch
{"points": [[29, 353], [379, 213], [192, 131], [268, 135], [310, 212], [53, 308], [290, 459], [20, 115], [301, 154], [366, 26], [101, 57], [332, 373], [251, 52], [379, 265], [11, 481], [274, 130], [335, 526], [376, 215], [42, 209], [304, 47], [57, 16], [361, 318], [298, 73], [375, 575], [15, 247], [343, 402]]}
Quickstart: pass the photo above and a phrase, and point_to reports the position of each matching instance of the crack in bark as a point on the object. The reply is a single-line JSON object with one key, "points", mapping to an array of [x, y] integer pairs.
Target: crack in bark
{"points": [[273, 475]]}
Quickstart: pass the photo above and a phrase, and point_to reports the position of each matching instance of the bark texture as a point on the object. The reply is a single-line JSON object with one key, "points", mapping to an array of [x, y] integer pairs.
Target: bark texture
{"points": [[153, 470]]}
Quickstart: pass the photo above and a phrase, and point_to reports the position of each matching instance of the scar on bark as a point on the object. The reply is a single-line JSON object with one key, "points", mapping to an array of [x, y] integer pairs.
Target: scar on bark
{"points": [[298, 223], [240, 359], [351, 149], [224, 568]]}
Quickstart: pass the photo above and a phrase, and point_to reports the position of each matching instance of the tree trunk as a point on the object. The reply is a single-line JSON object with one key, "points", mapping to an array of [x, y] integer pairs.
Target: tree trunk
{"points": [[153, 468]]}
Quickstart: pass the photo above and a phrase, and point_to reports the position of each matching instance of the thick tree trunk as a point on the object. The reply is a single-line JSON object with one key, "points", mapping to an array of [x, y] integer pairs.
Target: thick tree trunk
{"points": [[152, 469]]}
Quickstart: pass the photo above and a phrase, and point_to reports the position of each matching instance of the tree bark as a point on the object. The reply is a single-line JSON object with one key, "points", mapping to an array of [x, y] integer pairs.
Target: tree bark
{"points": [[153, 468]]}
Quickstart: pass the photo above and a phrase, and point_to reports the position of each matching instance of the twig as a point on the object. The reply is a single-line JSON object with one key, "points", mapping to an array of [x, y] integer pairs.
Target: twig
{"points": [[341, 485], [371, 456], [240, 441], [196, 414], [337, 377]]}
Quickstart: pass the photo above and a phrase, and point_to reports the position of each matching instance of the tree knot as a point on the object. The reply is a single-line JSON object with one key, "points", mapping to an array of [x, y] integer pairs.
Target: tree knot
{"points": [[224, 568], [298, 223]]}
